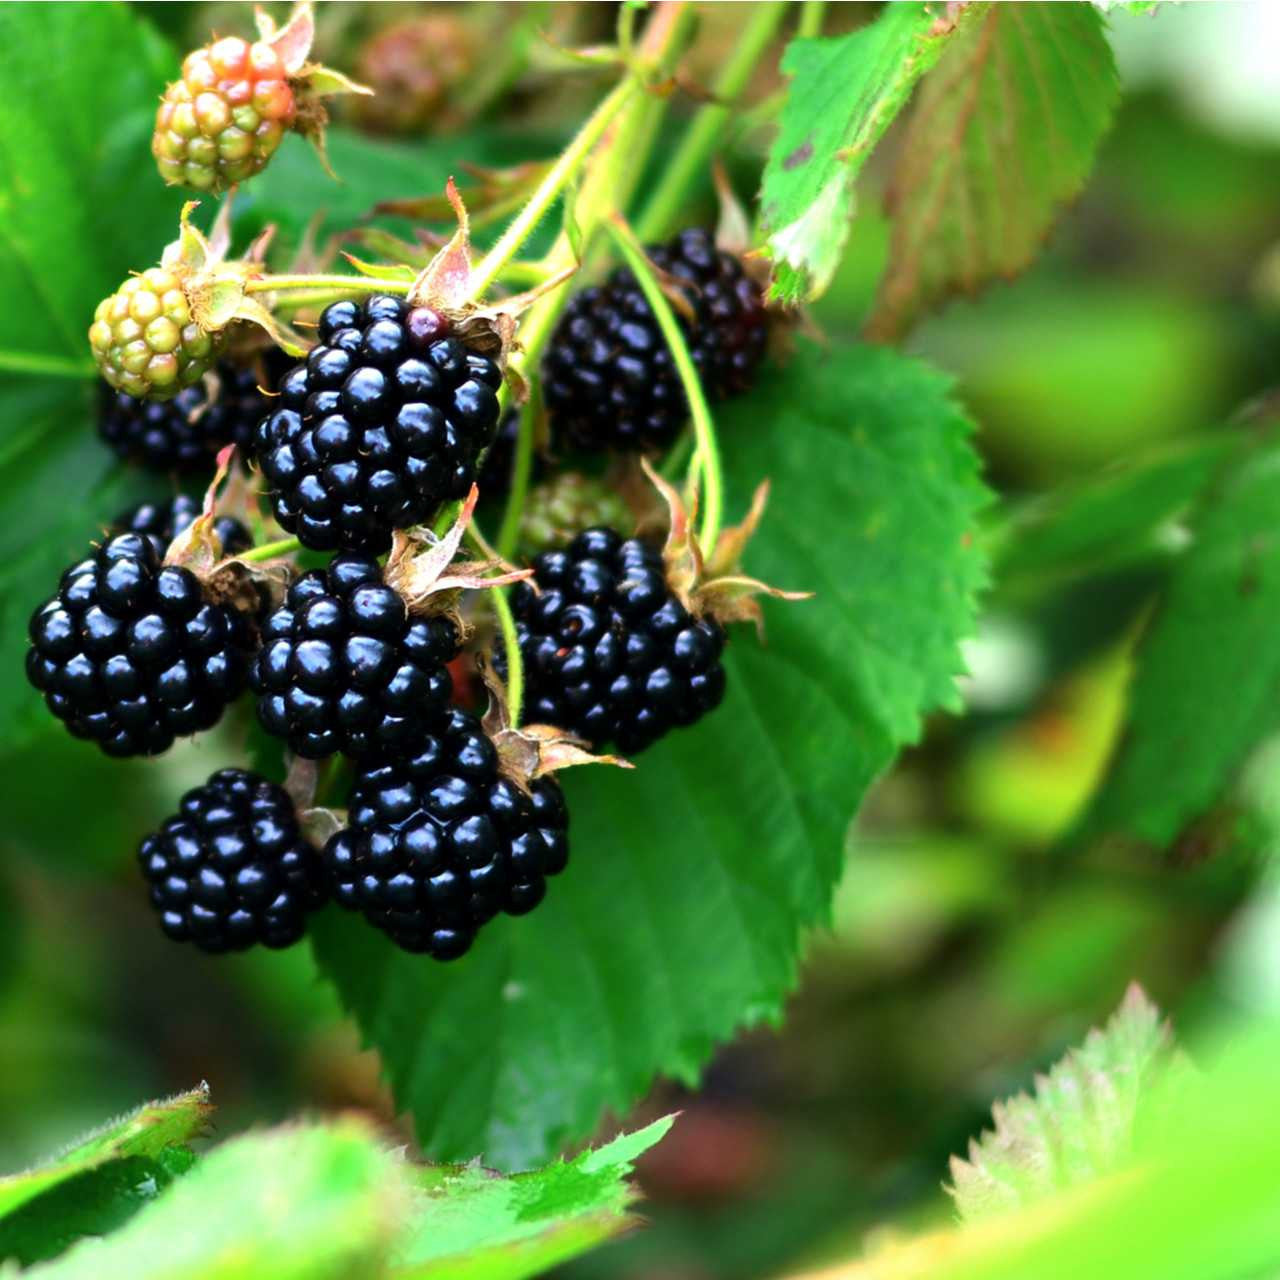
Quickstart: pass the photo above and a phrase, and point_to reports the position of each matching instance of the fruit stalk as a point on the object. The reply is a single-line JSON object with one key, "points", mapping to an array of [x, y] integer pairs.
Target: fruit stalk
{"points": [[694, 153], [707, 457]]}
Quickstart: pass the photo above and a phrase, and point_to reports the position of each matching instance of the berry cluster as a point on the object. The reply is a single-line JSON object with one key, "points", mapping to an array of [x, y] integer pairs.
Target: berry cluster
{"points": [[131, 653], [608, 377], [609, 651], [231, 868], [393, 412], [343, 666], [440, 841], [186, 432], [383, 422]]}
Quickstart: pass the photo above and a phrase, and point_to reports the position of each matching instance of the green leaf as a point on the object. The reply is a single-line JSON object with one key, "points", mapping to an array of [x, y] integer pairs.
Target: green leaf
{"points": [[1127, 511], [146, 1132], [299, 1203], [1207, 688], [845, 92], [81, 206], [471, 1224], [693, 877], [1003, 132], [1080, 1123]]}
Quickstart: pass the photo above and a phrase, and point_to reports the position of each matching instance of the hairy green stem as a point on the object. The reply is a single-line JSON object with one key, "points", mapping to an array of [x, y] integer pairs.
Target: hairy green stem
{"points": [[309, 284], [700, 140], [515, 664], [521, 473], [704, 432], [811, 14], [561, 174], [270, 550]]}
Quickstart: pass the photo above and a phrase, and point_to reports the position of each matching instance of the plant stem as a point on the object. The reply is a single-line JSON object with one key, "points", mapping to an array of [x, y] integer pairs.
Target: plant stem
{"points": [[521, 469], [692, 157], [350, 284], [708, 454], [515, 664], [549, 189], [811, 13], [270, 550]]}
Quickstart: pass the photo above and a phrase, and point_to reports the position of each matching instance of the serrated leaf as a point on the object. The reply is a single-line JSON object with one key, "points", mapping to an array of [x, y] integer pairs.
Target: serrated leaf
{"points": [[1079, 1124], [1003, 132], [693, 877], [471, 1224], [296, 1203], [79, 207], [1207, 688], [146, 1132], [844, 93]]}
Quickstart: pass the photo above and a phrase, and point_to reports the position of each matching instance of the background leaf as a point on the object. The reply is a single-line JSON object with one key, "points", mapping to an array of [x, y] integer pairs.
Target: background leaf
{"points": [[302, 1203], [1004, 130], [845, 92], [1080, 1122], [1207, 687], [671, 930]]}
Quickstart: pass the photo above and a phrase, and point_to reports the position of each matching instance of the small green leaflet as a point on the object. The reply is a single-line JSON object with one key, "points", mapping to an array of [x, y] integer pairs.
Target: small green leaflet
{"points": [[693, 877], [1080, 1122], [469, 1222], [145, 1132], [845, 92], [1003, 132], [1207, 687]]}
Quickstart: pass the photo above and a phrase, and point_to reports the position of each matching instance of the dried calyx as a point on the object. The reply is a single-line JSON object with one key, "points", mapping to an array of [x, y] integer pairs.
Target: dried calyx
{"points": [[715, 587], [198, 549], [423, 568], [533, 750]]}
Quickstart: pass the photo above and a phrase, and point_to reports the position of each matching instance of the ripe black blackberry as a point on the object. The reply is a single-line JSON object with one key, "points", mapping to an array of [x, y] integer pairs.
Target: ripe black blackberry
{"points": [[132, 654], [232, 868], [344, 667], [610, 652], [163, 521], [441, 841], [608, 378], [186, 432], [379, 426]]}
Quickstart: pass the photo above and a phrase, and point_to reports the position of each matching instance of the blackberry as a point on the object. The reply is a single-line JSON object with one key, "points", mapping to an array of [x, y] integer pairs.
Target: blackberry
{"points": [[441, 841], [608, 378], [379, 426], [565, 505], [344, 667], [131, 654], [232, 868], [163, 521], [609, 651], [186, 432]]}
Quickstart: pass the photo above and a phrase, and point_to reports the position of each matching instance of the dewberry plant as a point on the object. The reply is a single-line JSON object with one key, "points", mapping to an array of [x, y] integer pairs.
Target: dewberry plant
{"points": [[415, 493]]}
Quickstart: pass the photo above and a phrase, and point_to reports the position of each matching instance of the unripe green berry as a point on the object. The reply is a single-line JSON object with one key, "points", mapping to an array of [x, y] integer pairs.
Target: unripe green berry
{"points": [[145, 341], [557, 510]]}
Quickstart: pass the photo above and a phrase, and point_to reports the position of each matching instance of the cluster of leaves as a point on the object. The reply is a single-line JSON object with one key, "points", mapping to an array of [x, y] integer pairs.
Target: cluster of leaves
{"points": [[306, 1201]]}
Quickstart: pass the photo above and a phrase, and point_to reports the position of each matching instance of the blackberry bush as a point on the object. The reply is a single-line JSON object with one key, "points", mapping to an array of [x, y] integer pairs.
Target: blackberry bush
{"points": [[441, 841], [232, 868], [131, 653], [163, 521], [610, 652], [608, 378], [381, 424], [186, 432], [345, 667]]}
